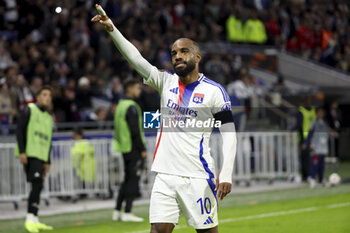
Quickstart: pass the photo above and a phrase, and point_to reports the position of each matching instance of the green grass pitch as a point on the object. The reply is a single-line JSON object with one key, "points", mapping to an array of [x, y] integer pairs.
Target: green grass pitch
{"points": [[296, 210]]}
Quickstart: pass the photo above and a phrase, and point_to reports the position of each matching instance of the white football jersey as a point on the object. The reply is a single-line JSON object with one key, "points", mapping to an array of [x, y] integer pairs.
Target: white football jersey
{"points": [[185, 151]]}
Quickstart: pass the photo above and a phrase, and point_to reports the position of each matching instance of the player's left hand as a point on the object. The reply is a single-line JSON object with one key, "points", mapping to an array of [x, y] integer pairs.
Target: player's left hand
{"points": [[222, 189], [46, 169]]}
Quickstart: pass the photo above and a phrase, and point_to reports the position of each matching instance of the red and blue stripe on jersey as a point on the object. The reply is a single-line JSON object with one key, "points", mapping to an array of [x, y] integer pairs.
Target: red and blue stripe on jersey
{"points": [[185, 93]]}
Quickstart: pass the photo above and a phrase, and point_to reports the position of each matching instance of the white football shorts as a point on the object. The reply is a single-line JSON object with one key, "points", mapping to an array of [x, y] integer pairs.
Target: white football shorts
{"points": [[194, 197]]}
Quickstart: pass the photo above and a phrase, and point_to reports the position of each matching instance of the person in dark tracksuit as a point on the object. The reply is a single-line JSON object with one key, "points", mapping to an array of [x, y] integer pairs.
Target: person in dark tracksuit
{"points": [[130, 141], [34, 136], [317, 143]]}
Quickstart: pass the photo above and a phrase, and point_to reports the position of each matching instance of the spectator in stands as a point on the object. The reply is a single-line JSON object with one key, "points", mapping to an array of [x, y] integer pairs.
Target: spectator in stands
{"points": [[254, 30], [234, 28], [84, 94], [99, 117], [240, 92], [7, 108], [280, 86], [241, 88], [23, 93], [5, 57], [114, 91], [216, 69], [306, 36], [113, 9], [111, 111], [103, 72], [36, 85], [273, 28], [70, 106], [65, 46]]}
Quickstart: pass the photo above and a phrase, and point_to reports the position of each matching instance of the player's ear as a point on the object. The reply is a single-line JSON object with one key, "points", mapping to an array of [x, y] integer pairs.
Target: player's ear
{"points": [[198, 57]]}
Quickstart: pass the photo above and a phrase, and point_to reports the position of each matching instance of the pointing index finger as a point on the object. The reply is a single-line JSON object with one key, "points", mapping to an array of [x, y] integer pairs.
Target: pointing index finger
{"points": [[100, 10]]}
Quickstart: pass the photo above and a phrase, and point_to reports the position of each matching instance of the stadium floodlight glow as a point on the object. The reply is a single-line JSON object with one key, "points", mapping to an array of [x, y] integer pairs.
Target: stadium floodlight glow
{"points": [[58, 9]]}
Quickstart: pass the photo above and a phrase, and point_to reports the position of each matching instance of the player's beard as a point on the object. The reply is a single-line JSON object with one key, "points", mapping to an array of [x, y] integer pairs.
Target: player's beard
{"points": [[183, 71]]}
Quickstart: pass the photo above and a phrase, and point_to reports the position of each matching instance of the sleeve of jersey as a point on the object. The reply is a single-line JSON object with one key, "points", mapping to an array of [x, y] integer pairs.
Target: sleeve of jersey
{"points": [[151, 75], [220, 100], [222, 111], [229, 144]]}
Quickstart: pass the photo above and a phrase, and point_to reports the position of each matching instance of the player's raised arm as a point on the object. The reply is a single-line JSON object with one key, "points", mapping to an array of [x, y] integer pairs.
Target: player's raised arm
{"points": [[127, 49]]}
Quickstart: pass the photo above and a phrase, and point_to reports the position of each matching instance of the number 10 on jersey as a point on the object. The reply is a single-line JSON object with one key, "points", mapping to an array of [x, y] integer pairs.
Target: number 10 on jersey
{"points": [[205, 205]]}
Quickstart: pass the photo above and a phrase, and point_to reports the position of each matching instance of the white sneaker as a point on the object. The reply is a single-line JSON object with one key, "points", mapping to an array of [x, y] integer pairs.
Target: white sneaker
{"points": [[116, 215], [312, 183], [129, 217]]}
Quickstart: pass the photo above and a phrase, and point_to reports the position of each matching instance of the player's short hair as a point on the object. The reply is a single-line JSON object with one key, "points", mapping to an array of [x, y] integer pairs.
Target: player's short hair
{"points": [[49, 88], [129, 82], [194, 43], [196, 46]]}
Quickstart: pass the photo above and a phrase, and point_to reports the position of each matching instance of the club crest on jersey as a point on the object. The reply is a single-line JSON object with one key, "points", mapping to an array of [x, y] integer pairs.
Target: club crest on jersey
{"points": [[198, 98]]}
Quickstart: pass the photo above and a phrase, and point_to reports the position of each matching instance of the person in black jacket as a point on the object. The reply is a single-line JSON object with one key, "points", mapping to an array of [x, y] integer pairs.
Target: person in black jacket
{"points": [[130, 142], [34, 134]]}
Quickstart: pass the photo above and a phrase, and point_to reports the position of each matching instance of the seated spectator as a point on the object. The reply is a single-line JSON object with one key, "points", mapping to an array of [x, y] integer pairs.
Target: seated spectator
{"points": [[98, 116], [114, 90], [111, 111], [7, 107], [103, 72], [23, 93], [70, 106], [241, 88], [84, 94], [36, 85]]}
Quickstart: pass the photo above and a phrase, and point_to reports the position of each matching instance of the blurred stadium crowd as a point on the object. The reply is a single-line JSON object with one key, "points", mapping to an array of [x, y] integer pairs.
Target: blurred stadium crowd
{"points": [[51, 42]]}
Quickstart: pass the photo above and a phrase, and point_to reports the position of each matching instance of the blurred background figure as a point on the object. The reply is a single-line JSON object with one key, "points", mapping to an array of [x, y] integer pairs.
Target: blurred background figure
{"points": [[23, 93], [83, 158], [305, 116], [7, 108], [36, 85], [317, 143], [130, 141], [335, 122]]}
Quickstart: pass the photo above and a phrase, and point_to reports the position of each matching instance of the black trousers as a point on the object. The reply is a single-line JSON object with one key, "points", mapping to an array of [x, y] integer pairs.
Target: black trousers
{"points": [[305, 159], [34, 170], [130, 189]]}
